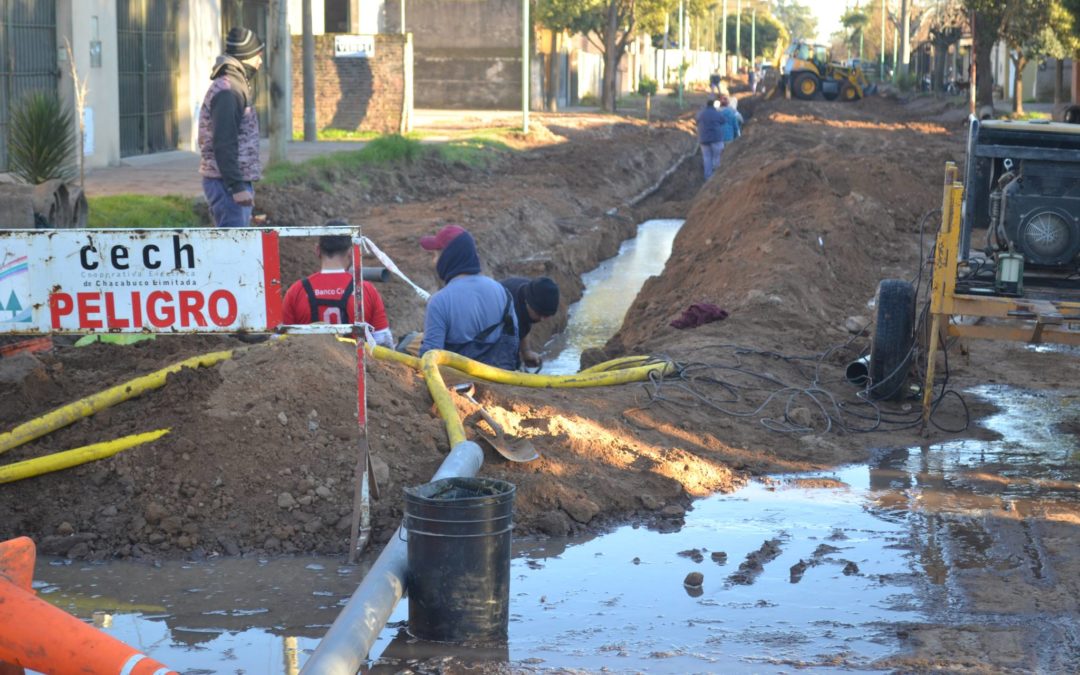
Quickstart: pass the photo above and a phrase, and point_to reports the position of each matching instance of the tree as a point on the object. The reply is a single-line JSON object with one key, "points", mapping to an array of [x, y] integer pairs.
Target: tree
{"points": [[1023, 29], [855, 22], [770, 33], [610, 25], [988, 16], [1063, 41], [797, 18], [557, 16], [946, 27]]}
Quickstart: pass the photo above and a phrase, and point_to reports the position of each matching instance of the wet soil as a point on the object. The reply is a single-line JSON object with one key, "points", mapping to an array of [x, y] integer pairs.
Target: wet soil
{"points": [[811, 208]]}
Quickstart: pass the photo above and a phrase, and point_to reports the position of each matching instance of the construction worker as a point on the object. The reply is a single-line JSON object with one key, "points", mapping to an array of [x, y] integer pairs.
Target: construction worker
{"points": [[327, 295], [534, 300], [472, 314], [229, 131]]}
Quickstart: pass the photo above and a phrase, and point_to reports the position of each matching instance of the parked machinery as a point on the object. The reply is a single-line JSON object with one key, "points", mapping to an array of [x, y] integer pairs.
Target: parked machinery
{"points": [[809, 69], [1007, 256]]}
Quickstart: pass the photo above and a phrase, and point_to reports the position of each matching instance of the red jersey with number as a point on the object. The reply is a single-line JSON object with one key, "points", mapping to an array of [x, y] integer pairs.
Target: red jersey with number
{"points": [[327, 296]]}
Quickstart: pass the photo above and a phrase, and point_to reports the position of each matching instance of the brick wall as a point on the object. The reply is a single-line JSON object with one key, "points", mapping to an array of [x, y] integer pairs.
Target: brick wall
{"points": [[351, 93]]}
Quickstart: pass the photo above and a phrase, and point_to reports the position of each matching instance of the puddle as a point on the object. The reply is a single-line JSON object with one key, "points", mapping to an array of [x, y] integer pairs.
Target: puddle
{"points": [[609, 291], [855, 554]]}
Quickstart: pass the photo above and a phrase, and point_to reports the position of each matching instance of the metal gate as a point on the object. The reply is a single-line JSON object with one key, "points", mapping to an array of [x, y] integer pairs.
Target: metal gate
{"points": [[148, 53], [27, 57], [254, 15]]}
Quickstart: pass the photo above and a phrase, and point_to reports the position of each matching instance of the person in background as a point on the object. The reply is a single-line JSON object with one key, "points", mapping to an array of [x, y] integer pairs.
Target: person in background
{"points": [[229, 132], [327, 295], [472, 315], [711, 124], [714, 84], [534, 300], [729, 101]]}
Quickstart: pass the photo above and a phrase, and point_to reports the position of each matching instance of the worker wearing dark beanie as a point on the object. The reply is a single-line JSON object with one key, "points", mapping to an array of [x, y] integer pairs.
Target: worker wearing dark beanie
{"points": [[242, 44], [534, 300], [229, 131]]}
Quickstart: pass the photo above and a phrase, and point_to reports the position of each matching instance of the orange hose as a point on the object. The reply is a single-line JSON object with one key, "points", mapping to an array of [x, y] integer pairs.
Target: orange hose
{"points": [[38, 636]]}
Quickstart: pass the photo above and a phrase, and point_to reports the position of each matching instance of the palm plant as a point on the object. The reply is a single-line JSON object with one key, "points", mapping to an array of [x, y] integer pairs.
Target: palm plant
{"points": [[42, 138]]}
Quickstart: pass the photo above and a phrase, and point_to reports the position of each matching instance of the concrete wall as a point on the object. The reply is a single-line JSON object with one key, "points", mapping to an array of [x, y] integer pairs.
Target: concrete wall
{"points": [[200, 40], [467, 52], [355, 94], [80, 22]]}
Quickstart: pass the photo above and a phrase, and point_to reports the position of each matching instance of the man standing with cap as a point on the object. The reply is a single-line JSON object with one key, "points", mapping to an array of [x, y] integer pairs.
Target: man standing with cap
{"points": [[534, 300], [472, 315], [229, 131]]}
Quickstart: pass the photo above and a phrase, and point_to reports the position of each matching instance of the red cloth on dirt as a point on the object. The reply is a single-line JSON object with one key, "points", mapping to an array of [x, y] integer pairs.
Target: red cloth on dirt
{"points": [[699, 314], [330, 286]]}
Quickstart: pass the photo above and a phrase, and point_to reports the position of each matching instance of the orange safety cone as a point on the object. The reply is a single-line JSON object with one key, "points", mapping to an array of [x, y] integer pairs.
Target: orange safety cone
{"points": [[38, 636]]}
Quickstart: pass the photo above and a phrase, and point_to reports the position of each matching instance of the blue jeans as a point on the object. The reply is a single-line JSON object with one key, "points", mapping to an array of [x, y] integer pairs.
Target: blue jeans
{"points": [[710, 155], [223, 210]]}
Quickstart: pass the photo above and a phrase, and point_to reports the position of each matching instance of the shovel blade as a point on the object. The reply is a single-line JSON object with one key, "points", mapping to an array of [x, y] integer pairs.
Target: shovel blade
{"points": [[518, 450]]}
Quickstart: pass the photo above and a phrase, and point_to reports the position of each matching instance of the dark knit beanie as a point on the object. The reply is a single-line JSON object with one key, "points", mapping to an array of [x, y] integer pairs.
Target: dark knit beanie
{"points": [[542, 294], [241, 43]]}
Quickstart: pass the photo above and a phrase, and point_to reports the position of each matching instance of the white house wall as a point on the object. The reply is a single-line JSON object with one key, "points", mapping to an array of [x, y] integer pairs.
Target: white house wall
{"points": [[200, 41], [77, 21]]}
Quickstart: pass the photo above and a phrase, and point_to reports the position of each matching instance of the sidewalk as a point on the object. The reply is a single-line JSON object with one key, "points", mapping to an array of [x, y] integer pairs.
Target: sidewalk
{"points": [[177, 172]]}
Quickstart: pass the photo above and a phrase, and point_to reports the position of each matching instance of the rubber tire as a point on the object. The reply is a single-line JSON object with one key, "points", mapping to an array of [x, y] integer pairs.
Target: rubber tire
{"points": [[848, 92], [891, 346], [797, 89]]}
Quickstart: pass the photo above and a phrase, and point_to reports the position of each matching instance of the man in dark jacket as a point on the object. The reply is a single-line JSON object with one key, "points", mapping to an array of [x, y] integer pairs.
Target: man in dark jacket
{"points": [[229, 132], [472, 314], [716, 124], [534, 300]]}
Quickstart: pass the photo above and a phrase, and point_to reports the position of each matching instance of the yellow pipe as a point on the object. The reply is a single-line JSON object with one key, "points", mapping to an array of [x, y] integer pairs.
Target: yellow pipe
{"points": [[89, 405], [69, 458], [431, 361]]}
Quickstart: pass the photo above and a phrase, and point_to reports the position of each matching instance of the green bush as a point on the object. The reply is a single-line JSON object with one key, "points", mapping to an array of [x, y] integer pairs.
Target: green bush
{"points": [[41, 138], [647, 85], [589, 100], [907, 82]]}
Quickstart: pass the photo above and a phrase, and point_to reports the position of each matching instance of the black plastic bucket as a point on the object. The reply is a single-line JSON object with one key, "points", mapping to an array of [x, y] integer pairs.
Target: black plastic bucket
{"points": [[459, 533]]}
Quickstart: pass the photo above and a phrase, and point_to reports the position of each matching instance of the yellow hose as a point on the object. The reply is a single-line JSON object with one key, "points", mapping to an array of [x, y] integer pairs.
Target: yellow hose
{"points": [[89, 405], [69, 458], [429, 365]]}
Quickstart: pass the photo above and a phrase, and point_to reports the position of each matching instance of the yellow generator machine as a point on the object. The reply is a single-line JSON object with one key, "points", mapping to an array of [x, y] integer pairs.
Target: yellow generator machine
{"points": [[808, 70], [1006, 264]]}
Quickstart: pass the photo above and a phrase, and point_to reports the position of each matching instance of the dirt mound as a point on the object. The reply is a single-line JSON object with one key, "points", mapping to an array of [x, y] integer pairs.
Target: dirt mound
{"points": [[811, 207]]}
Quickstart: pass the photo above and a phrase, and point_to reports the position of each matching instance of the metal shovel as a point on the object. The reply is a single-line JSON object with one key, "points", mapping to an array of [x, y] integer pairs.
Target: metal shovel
{"points": [[510, 447]]}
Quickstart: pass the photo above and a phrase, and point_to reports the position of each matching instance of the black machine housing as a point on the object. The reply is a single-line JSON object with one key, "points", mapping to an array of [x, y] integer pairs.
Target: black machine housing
{"points": [[1022, 186]]}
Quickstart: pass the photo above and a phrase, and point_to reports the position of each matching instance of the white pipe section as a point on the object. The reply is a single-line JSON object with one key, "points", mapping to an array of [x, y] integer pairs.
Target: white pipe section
{"points": [[346, 645]]}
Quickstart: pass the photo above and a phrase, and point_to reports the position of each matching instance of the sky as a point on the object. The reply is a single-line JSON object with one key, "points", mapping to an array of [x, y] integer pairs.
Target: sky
{"points": [[828, 14]]}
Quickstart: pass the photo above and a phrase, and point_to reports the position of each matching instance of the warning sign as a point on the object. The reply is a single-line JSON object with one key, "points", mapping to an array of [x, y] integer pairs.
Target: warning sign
{"points": [[82, 281]]}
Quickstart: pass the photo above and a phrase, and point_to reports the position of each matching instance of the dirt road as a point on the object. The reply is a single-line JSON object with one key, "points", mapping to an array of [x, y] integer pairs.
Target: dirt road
{"points": [[812, 206]]}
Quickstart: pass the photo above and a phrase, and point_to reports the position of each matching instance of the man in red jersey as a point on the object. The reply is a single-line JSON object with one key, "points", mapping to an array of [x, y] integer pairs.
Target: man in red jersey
{"points": [[327, 296]]}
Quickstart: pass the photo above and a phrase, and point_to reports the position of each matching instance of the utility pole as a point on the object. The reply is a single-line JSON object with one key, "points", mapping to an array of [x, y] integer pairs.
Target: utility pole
{"points": [[738, 35], [402, 18], [753, 37], [310, 132], [525, 31], [905, 37], [667, 46], [682, 52], [723, 42], [881, 52], [280, 117]]}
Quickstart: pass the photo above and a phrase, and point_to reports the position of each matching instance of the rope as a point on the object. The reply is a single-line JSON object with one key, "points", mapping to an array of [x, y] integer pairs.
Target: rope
{"points": [[389, 264]]}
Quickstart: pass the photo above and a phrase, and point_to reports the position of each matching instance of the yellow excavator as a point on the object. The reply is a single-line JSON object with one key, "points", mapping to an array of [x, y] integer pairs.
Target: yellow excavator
{"points": [[808, 69]]}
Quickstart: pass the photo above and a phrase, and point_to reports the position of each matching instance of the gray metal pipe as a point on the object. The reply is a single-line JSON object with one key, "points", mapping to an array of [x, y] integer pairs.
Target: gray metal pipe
{"points": [[374, 274], [346, 645]]}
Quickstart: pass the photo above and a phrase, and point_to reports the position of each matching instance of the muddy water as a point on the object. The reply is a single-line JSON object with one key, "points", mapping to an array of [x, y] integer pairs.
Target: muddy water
{"points": [[609, 291], [820, 569]]}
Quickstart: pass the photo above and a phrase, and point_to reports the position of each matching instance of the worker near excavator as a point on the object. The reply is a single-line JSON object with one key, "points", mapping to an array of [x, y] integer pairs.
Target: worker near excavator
{"points": [[327, 296], [534, 300], [229, 131], [472, 315]]}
